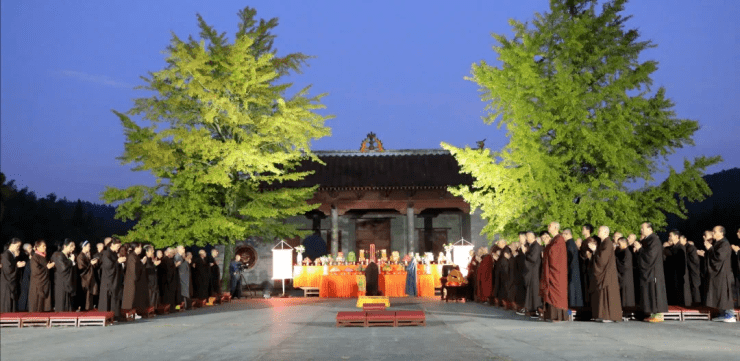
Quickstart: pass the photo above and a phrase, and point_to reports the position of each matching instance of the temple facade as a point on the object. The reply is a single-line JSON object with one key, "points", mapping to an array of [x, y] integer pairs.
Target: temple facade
{"points": [[395, 199]]}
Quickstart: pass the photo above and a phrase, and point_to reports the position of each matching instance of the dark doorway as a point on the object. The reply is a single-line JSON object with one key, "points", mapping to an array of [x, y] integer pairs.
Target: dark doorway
{"points": [[434, 238], [377, 231]]}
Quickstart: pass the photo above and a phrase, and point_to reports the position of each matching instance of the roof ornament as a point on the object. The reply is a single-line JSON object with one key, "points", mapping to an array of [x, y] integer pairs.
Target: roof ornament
{"points": [[371, 144]]}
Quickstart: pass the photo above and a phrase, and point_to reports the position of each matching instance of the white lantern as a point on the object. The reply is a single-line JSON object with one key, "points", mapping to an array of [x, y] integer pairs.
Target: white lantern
{"points": [[461, 255], [282, 262]]}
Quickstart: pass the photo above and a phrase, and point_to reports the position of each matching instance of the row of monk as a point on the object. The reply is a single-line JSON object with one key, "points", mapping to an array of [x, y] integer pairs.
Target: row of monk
{"points": [[607, 273], [131, 276]]}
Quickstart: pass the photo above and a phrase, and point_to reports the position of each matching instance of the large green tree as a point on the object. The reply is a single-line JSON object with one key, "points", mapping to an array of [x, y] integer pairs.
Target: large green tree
{"points": [[217, 133], [587, 134]]}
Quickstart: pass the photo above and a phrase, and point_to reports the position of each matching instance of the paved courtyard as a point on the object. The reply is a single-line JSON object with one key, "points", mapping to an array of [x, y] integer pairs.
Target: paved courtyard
{"points": [[303, 329]]}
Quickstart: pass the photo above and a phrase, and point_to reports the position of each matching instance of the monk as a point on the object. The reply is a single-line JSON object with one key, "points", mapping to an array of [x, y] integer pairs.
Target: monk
{"points": [[9, 276], [215, 274], [110, 278], [484, 279], [151, 271], [39, 289], [678, 285], [371, 279], [719, 294], [86, 268], [623, 258], [65, 277], [631, 239], [693, 267], [606, 305], [135, 281], [575, 292], [554, 279], [25, 276], [532, 253], [201, 275], [501, 274], [472, 273], [169, 282], [653, 300], [585, 254]]}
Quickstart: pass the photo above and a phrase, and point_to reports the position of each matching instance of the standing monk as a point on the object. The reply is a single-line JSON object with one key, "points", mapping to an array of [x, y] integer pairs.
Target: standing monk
{"points": [[719, 266], [86, 267], [201, 275], [575, 292], [25, 277], [110, 279], [531, 273], [9, 276], [585, 257], [135, 281], [484, 278], [606, 305], [183, 267], [151, 268], [653, 300], [693, 266], [169, 282], [554, 280], [39, 289], [623, 257], [65, 277], [215, 274]]}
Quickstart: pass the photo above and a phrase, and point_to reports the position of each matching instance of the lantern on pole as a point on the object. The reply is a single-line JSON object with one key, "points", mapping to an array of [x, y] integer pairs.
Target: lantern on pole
{"points": [[461, 255], [282, 263]]}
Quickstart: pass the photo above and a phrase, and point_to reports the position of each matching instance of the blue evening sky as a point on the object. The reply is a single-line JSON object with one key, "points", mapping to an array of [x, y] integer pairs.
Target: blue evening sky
{"points": [[392, 67]]}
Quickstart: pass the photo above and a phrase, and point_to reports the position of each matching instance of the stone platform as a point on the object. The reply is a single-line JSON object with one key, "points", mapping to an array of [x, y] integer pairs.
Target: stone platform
{"points": [[304, 329]]}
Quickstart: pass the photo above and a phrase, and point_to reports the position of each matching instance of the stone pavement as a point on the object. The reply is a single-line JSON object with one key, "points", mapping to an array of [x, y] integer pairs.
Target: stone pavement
{"points": [[303, 329]]}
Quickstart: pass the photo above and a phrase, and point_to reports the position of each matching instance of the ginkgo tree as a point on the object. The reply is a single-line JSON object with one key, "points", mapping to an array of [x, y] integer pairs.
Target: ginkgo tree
{"points": [[587, 135], [218, 133]]}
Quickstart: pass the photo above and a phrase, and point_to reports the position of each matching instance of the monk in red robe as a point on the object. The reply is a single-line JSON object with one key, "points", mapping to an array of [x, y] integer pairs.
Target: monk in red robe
{"points": [[554, 279], [484, 278]]}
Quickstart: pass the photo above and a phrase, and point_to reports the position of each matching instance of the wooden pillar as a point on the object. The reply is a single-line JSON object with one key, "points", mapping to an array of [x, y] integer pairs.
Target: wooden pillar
{"points": [[411, 247], [334, 230]]}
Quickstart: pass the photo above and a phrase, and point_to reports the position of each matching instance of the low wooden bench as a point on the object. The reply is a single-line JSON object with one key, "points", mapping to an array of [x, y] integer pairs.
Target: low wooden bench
{"points": [[128, 314], [95, 319], [696, 313], [674, 313], [310, 291], [381, 318], [63, 319], [411, 318], [213, 300], [351, 318], [35, 320], [11, 319], [373, 307], [226, 297]]}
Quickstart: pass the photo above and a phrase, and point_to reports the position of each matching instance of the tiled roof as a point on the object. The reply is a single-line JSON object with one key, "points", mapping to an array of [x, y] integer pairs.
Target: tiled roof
{"points": [[400, 169]]}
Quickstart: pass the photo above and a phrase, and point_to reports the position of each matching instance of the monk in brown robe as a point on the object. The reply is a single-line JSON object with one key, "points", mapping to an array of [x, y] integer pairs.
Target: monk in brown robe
{"points": [[554, 279], [606, 305], [135, 281], [86, 268], [39, 289], [484, 279], [11, 270]]}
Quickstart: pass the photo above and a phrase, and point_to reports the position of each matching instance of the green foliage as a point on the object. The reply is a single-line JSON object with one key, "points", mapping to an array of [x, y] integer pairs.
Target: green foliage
{"points": [[219, 132], [584, 128]]}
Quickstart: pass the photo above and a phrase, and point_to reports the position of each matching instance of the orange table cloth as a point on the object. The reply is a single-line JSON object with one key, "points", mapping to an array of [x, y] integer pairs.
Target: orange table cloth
{"points": [[307, 276], [333, 286], [392, 285], [425, 285]]}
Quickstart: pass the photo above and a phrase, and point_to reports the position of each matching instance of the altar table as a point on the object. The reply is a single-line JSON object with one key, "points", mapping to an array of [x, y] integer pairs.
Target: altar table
{"points": [[307, 276], [391, 285]]}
